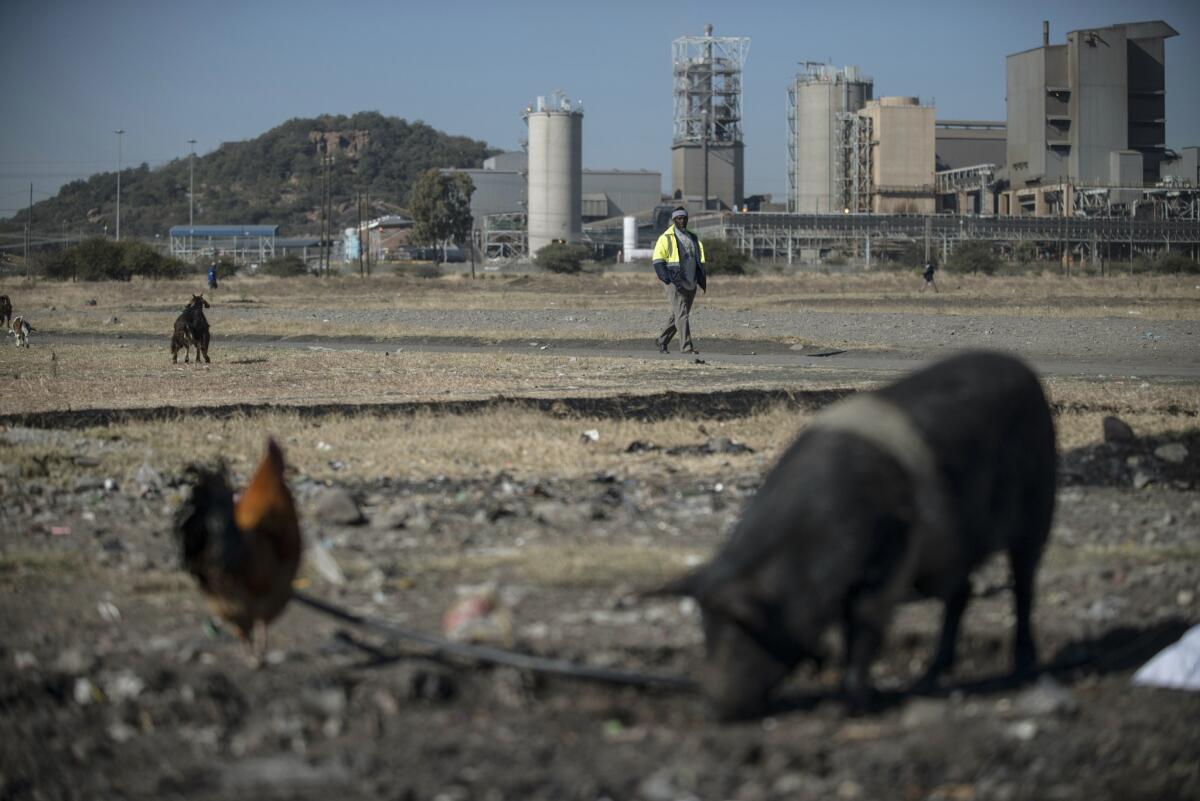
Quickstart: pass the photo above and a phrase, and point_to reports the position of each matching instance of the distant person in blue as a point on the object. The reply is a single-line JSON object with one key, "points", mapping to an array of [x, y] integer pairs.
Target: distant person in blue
{"points": [[930, 269], [212, 276]]}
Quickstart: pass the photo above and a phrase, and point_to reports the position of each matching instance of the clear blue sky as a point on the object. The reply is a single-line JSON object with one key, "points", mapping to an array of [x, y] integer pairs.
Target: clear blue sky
{"points": [[167, 71]]}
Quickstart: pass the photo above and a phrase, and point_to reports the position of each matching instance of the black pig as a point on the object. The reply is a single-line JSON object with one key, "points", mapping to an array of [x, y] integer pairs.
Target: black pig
{"points": [[900, 491]]}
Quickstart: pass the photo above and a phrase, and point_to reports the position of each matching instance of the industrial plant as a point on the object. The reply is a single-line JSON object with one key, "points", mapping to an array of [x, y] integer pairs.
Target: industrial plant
{"points": [[1079, 166]]}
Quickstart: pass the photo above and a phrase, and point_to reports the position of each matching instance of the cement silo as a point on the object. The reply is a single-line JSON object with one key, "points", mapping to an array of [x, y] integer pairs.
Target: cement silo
{"points": [[555, 171], [815, 99]]}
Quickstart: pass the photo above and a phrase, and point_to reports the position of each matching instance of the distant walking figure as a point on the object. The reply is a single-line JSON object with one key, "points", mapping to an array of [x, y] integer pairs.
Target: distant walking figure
{"points": [[679, 263], [212, 276], [930, 269]]}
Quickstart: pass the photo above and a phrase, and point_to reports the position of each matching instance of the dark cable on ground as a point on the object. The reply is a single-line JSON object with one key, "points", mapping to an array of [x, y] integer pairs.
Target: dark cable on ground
{"points": [[498, 656]]}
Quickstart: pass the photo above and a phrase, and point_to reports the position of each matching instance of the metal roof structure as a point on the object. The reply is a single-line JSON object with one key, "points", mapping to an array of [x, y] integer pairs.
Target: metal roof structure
{"points": [[224, 230], [243, 243]]}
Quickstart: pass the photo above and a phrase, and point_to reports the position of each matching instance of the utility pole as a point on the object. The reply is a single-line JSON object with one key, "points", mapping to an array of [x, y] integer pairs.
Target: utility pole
{"points": [[359, 202], [704, 149], [321, 232], [191, 195], [367, 212], [29, 234], [119, 132], [326, 245]]}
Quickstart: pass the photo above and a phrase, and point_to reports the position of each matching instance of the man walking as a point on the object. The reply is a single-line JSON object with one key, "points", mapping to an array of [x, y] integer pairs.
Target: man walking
{"points": [[679, 263], [930, 269]]}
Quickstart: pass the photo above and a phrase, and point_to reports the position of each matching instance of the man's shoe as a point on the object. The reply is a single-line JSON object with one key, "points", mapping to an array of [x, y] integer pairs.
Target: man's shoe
{"points": [[662, 346], [691, 350]]}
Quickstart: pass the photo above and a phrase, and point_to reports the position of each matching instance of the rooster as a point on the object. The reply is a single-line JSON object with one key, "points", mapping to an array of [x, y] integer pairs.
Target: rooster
{"points": [[244, 553]]}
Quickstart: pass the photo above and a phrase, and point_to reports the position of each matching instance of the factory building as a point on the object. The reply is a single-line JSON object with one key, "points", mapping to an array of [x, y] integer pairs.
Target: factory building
{"points": [[851, 153], [820, 102], [902, 155], [707, 150], [500, 188], [1090, 113], [969, 143], [1182, 168]]}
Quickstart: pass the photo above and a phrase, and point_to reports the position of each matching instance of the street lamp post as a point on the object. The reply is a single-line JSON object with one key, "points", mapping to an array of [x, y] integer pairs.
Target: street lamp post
{"points": [[118, 132], [704, 151], [191, 194]]}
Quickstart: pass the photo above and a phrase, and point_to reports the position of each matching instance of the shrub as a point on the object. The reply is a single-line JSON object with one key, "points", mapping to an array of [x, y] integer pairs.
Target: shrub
{"points": [[226, 267], [559, 257], [908, 257], [722, 258], [1166, 264], [1024, 253], [974, 256], [99, 259], [283, 266]]}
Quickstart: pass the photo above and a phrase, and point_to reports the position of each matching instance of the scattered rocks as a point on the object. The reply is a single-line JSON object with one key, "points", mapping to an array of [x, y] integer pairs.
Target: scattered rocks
{"points": [[1023, 730], [1173, 452], [922, 712], [24, 660], [74, 662], [419, 680], [1117, 430], [85, 692], [149, 480], [122, 685], [1047, 697], [328, 702], [559, 514], [394, 516], [339, 508]]}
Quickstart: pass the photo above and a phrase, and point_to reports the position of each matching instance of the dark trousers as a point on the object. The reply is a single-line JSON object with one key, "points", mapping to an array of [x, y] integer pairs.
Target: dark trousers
{"points": [[680, 301]]}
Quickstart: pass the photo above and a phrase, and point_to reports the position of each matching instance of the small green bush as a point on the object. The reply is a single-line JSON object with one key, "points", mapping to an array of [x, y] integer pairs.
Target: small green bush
{"points": [[908, 257], [100, 259], [1166, 264], [722, 258], [974, 256], [1024, 253], [226, 267], [284, 266], [559, 257]]}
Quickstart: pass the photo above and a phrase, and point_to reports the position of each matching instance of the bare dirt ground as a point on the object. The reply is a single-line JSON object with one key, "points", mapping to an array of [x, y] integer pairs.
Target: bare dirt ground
{"points": [[431, 471]]}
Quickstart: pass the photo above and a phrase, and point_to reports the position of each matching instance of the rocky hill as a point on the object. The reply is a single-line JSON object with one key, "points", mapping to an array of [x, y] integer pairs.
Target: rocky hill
{"points": [[272, 179]]}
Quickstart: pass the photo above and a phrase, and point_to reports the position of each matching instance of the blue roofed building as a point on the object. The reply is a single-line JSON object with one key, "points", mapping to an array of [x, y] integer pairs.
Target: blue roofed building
{"points": [[242, 243]]}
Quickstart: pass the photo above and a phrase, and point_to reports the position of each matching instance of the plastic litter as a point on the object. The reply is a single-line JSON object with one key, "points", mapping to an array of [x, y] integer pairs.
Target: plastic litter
{"points": [[1176, 667]]}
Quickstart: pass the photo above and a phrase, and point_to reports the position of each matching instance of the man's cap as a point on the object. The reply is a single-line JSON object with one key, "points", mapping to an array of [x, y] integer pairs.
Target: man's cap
{"points": [[679, 213]]}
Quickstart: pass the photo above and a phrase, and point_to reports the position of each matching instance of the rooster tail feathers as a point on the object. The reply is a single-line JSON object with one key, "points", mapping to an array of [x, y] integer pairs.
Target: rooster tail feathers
{"points": [[204, 524]]}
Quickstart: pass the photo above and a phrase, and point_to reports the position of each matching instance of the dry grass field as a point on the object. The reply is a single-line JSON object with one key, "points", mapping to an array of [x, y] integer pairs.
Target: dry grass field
{"points": [[468, 459]]}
